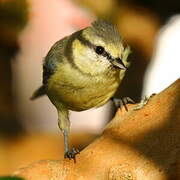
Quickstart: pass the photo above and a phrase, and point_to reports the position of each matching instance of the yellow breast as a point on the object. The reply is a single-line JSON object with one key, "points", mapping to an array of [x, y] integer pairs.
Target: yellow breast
{"points": [[80, 92]]}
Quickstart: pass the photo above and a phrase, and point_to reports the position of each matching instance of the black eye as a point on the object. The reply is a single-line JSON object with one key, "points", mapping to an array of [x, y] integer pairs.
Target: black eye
{"points": [[99, 50]]}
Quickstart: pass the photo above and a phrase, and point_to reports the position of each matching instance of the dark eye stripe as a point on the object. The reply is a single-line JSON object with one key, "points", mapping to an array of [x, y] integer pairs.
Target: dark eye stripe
{"points": [[88, 43], [107, 55], [85, 41]]}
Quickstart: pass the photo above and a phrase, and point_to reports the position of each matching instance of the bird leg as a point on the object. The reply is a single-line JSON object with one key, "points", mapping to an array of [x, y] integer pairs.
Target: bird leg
{"points": [[64, 125], [67, 153]]}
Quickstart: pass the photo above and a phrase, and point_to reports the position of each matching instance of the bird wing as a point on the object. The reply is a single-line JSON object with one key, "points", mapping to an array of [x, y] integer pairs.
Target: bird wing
{"points": [[54, 56], [50, 62]]}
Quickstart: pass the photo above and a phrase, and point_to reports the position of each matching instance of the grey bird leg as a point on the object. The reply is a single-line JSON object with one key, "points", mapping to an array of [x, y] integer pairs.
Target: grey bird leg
{"points": [[66, 141], [67, 153], [64, 125]]}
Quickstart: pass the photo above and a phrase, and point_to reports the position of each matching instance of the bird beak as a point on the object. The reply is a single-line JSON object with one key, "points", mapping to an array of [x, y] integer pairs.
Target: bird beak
{"points": [[118, 63]]}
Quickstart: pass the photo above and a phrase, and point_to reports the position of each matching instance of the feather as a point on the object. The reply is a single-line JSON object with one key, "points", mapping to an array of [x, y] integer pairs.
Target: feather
{"points": [[38, 93]]}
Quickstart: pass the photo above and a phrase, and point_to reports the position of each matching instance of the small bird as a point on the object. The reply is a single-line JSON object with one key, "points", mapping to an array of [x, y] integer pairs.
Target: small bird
{"points": [[83, 71]]}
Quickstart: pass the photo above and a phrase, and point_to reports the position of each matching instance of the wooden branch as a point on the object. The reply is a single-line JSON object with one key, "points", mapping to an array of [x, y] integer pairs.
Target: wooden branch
{"points": [[142, 144]]}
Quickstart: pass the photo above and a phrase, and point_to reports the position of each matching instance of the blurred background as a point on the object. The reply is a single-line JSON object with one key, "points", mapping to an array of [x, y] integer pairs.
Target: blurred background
{"points": [[28, 28]]}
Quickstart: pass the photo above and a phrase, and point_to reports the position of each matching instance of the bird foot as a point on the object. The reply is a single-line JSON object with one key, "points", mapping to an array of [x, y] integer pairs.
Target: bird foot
{"points": [[143, 102], [72, 154], [119, 103]]}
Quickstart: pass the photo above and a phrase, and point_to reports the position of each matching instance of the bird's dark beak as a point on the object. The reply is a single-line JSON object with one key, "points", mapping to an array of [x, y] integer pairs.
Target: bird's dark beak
{"points": [[118, 63]]}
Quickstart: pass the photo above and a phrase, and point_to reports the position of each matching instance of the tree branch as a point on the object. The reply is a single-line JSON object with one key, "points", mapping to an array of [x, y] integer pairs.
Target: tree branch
{"points": [[138, 144]]}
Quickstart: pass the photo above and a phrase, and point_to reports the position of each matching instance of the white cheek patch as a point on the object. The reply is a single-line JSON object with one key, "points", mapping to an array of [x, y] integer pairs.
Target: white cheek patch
{"points": [[89, 62]]}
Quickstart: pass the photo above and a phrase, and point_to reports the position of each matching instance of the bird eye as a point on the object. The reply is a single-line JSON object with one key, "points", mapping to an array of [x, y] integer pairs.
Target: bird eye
{"points": [[99, 50]]}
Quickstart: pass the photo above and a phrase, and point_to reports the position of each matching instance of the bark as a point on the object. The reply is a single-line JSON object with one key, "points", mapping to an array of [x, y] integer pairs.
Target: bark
{"points": [[139, 144]]}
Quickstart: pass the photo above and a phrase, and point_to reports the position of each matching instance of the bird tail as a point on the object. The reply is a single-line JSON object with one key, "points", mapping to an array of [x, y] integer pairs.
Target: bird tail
{"points": [[38, 93]]}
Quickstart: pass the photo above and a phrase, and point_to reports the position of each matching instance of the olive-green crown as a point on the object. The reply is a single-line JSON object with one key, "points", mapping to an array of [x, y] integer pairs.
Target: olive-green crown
{"points": [[106, 30]]}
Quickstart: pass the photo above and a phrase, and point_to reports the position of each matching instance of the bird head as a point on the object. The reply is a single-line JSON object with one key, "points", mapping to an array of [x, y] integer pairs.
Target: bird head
{"points": [[99, 48]]}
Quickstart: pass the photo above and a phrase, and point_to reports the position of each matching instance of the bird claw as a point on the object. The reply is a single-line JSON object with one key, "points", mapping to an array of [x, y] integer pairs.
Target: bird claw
{"points": [[143, 102], [119, 103], [72, 154]]}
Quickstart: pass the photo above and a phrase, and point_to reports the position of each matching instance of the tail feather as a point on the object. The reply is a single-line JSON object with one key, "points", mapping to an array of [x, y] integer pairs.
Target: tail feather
{"points": [[38, 93]]}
